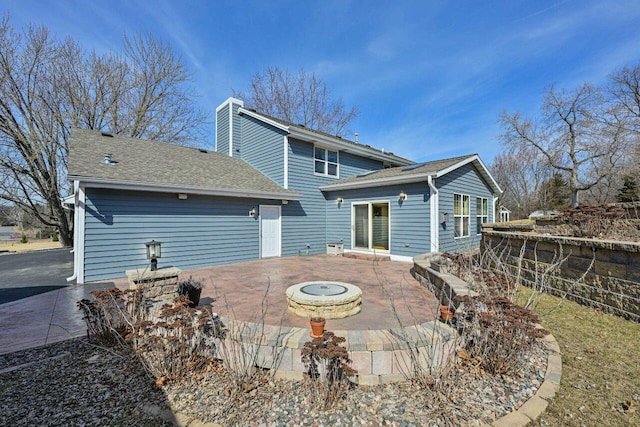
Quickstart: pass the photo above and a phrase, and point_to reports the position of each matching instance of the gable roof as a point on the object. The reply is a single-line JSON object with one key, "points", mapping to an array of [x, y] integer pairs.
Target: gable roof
{"points": [[332, 141], [160, 166], [414, 173]]}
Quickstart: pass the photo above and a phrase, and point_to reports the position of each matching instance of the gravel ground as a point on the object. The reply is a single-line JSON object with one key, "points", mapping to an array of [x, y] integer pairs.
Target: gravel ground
{"points": [[473, 398], [75, 384]]}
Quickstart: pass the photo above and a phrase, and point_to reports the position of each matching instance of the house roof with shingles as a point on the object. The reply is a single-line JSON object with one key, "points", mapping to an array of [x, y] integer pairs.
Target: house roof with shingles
{"points": [[307, 134], [413, 173], [146, 164]]}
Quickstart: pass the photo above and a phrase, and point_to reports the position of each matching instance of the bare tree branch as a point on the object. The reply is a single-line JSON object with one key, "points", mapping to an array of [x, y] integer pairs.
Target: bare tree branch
{"points": [[298, 98], [48, 86]]}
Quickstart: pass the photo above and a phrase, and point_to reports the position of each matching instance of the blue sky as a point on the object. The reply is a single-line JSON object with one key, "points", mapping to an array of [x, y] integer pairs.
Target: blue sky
{"points": [[430, 78]]}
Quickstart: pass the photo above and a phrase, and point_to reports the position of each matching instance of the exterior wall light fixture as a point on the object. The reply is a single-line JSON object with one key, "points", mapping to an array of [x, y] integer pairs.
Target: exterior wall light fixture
{"points": [[402, 196], [339, 200], [154, 252], [252, 212]]}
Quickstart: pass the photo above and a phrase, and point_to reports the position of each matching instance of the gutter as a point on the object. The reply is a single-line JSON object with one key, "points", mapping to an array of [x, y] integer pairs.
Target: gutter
{"points": [[207, 191]]}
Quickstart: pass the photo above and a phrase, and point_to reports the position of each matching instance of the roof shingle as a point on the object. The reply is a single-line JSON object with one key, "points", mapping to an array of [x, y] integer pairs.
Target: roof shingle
{"points": [[164, 164]]}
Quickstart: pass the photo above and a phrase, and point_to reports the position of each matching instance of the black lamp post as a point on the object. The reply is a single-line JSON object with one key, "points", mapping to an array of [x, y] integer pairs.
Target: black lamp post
{"points": [[153, 253]]}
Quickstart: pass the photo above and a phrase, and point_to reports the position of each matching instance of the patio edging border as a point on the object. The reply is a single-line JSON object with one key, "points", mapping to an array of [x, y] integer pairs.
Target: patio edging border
{"points": [[529, 411], [537, 404]]}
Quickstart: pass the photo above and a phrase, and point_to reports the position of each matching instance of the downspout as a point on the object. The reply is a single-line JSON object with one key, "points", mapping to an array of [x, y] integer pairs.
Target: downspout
{"points": [[75, 233], [433, 205]]}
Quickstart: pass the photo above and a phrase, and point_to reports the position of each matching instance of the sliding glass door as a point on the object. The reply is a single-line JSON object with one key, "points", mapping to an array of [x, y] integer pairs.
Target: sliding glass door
{"points": [[371, 226]]}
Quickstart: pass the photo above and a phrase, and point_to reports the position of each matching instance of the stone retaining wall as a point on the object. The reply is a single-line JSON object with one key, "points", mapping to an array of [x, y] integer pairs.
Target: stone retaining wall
{"points": [[380, 356], [598, 273]]}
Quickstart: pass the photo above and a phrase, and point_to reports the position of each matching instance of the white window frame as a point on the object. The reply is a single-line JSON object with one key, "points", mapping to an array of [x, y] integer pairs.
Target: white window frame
{"points": [[480, 218], [462, 215], [326, 162], [370, 228]]}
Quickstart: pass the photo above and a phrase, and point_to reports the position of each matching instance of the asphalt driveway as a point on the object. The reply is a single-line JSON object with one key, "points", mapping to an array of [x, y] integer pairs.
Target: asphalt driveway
{"points": [[31, 273]]}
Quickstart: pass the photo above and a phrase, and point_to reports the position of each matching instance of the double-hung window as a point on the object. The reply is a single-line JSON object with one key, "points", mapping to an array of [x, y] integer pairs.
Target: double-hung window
{"points": [[482, 213], [325, 162], [461, 214]]}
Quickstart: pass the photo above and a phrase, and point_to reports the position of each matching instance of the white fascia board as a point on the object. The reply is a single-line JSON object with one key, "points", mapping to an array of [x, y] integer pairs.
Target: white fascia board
{"points": [[230, 100], [160, 188], [262, 118], [483, 170], [336, 143], [402, 179]]}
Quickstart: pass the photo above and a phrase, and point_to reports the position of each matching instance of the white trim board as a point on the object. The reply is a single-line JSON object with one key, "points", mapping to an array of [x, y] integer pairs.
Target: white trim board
{"points": [[159, 188]]}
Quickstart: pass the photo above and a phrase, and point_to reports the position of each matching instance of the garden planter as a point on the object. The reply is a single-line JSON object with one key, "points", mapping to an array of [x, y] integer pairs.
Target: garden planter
{"points": [[194, 296], [317, 326], [446, 313], [192, 289]]}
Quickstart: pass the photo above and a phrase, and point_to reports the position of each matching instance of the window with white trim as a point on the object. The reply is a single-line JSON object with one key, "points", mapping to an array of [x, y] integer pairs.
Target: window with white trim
{"points": [[461, 215], [325, 162], [482, 213]]}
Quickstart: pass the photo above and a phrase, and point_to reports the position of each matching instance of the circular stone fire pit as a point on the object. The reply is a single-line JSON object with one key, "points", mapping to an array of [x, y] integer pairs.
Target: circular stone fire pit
{"points": [[328, 299]]}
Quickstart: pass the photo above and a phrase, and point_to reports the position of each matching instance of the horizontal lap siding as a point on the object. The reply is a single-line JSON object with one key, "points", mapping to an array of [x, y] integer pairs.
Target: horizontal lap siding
{"points": [[304, 222], [196, 232], [409, 220], [263, 147], [222, 130], [464, 180]]}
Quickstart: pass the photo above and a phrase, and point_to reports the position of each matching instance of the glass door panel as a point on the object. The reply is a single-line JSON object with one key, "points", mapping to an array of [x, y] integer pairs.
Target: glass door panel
{"points": [[361, 225], [380, 226]]}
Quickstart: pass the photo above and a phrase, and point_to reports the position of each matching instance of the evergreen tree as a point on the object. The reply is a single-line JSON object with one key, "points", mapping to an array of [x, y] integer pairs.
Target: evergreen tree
{"points": [[629, 190]]}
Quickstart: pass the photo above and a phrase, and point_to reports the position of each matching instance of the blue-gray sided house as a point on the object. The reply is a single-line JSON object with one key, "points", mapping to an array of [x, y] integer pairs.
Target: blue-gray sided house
{"points": [[269, 189]]}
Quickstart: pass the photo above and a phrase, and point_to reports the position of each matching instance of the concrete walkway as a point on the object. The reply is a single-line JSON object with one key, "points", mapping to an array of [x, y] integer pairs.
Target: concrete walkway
{"points": [[45, 318]]}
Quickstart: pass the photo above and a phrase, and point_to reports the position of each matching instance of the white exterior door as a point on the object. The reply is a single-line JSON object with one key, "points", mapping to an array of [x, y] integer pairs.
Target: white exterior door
{"points": [[269, 231]]}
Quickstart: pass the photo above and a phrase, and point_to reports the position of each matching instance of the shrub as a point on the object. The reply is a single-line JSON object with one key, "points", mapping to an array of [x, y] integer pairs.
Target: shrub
{"points": [[496, 333], [105, 316], [595, 220], [178, 342], [328, 362], [24, 239]]}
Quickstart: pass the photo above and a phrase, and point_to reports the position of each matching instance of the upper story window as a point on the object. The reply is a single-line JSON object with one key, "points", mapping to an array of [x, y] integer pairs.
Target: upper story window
{"points": [[325, 162], [461, 215], [482, 213]]}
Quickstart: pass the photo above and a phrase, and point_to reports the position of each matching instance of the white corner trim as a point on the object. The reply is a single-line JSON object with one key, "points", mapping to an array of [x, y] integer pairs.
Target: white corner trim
{"points": [[262, 118], [78, 245], [285, 183], [434, 224], [230, 129]]}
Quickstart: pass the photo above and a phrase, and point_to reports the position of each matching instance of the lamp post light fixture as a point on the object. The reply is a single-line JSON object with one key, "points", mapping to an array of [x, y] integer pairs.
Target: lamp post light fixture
{"points": [[153, 253]]}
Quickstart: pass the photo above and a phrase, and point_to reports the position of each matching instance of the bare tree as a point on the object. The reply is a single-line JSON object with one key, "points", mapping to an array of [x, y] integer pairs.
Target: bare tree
{"points": [[577, 133], [521, 181], [48, 86], [624, 88], [298, 98]]}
